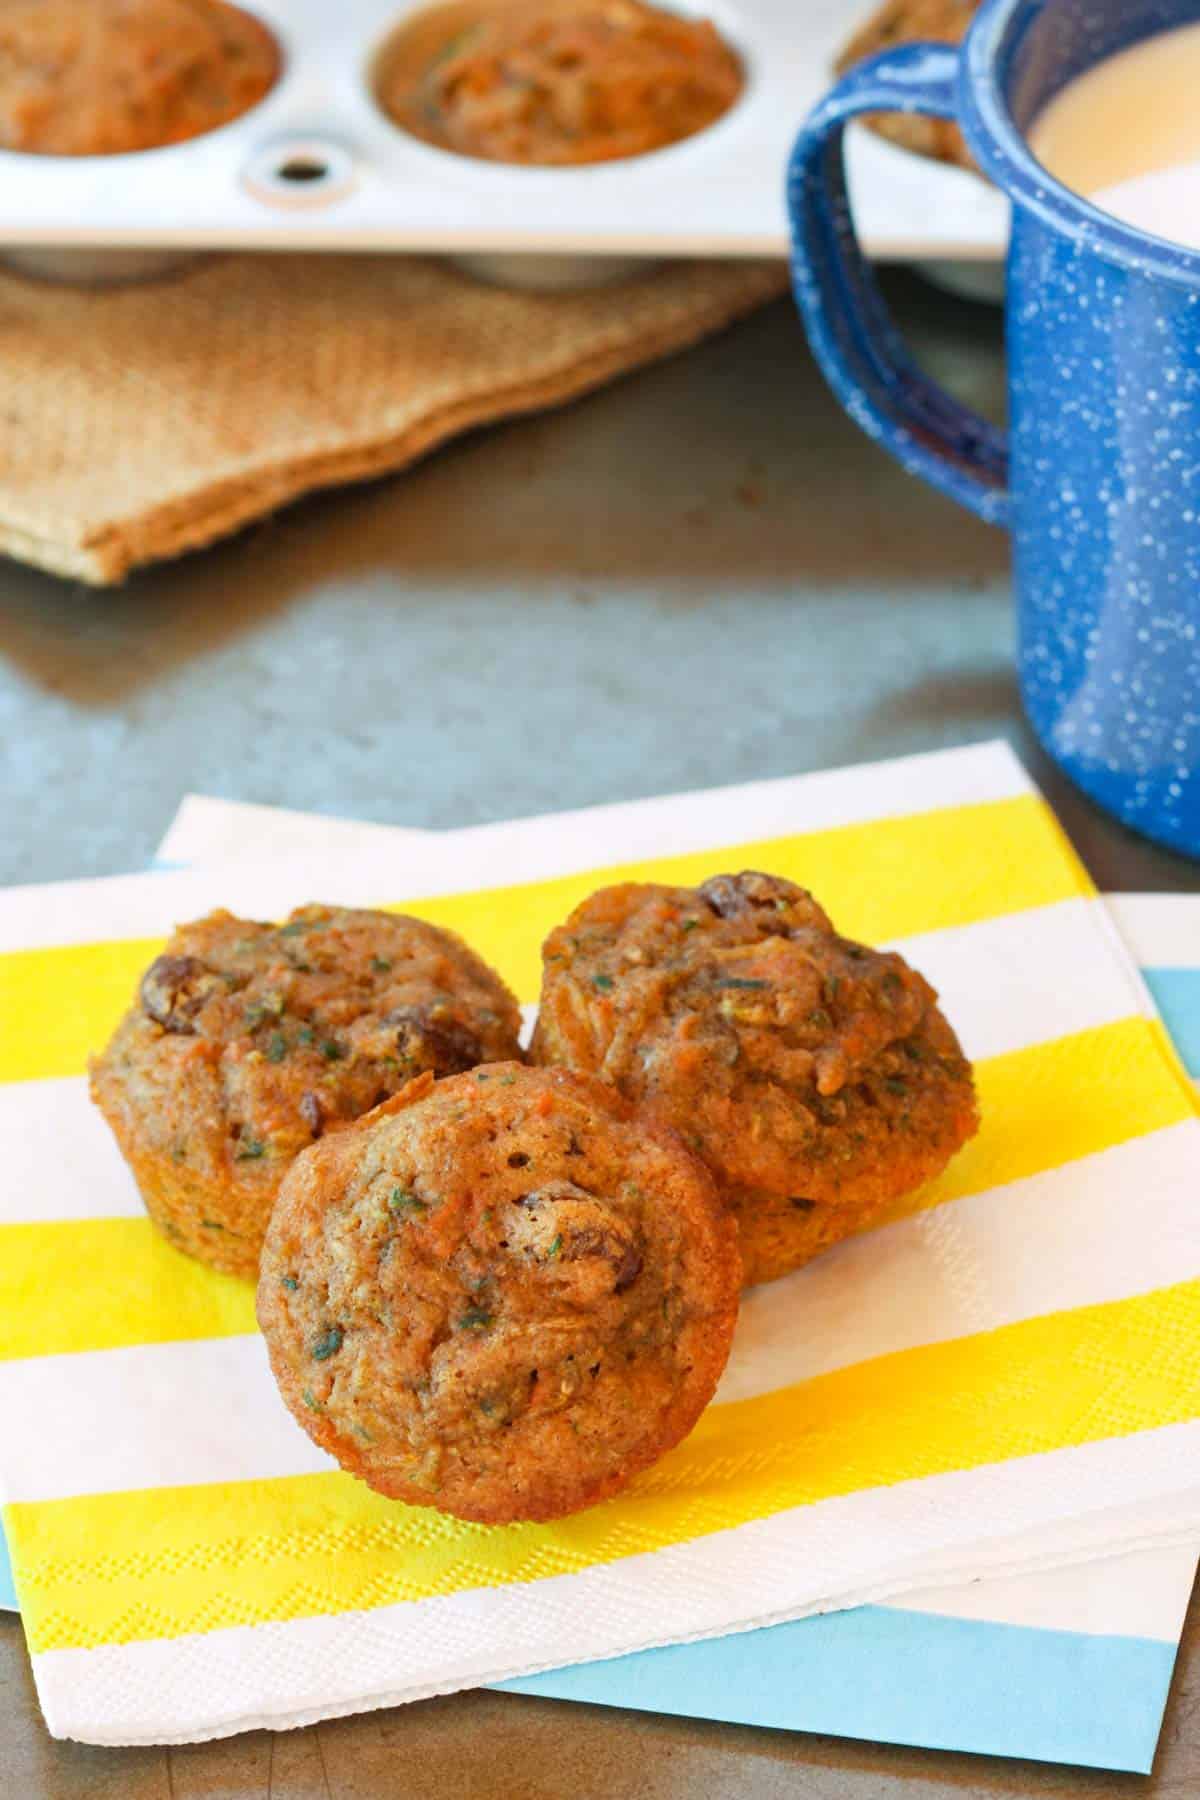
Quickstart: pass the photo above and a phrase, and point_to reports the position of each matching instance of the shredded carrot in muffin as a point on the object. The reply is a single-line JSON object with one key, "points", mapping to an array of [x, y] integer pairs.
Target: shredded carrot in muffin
{"points": [[565, 81]]}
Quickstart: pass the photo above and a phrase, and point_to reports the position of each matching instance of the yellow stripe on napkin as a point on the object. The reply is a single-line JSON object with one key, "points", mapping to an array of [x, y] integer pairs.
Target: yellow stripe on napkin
{"points": [[885, 879], [155, 1563], [1042, 1107], [64, 1002], [115, 1282]]}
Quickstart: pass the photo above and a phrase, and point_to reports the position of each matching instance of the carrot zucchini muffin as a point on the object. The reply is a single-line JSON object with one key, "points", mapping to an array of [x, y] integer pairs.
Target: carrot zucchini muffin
{"points": [[556, 81], [501, 1294], [816, 1077], [248, 1042], [94, 77], [905, 22]]}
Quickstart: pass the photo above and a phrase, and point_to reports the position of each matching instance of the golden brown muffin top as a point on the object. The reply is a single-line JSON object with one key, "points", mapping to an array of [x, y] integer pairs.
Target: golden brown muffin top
{"points": [[908, 22], [788, 1056], [248, 1041], [914, 21], [557, 81], [500, 1295], [95, 77]]}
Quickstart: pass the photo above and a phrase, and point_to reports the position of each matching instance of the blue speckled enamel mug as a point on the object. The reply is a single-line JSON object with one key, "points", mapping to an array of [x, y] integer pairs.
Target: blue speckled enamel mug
{"points": [[1100, 481]]}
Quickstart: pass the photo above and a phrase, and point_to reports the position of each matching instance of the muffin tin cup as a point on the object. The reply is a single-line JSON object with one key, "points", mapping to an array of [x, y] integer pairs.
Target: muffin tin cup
{"points": [[549, 274], [97, 268], [317, 165]]}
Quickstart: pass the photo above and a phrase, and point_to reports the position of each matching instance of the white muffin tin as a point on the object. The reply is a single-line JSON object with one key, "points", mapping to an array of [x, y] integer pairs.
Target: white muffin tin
{"points": [[317, 166]]}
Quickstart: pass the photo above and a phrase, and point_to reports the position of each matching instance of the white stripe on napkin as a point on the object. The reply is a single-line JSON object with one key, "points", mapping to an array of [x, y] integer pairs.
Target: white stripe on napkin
{"points": [[61, 1160], [1161, 930], [206, 830], [1144, 1594]]}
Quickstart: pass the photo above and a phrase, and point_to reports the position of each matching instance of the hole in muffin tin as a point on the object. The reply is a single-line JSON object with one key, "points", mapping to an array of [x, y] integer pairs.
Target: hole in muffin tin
{"points": [[303, 168], [300, 172]]}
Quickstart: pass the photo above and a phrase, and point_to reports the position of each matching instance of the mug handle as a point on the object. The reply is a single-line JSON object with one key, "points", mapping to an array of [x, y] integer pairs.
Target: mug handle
{"points": [[863, 357]]}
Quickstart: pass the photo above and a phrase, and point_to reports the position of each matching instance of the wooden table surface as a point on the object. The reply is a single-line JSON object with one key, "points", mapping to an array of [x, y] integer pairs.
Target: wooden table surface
{"points": [[702, 575]]}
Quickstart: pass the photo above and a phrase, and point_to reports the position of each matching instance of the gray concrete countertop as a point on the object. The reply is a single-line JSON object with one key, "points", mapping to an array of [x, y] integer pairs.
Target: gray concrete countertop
{"points": [[701, 575]]}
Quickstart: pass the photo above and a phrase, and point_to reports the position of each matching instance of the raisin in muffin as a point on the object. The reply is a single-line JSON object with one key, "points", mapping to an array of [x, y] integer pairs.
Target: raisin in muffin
{"points": [[501, 1294], [96, 77], [905, 22], [817, 1078], [247, 1042]]}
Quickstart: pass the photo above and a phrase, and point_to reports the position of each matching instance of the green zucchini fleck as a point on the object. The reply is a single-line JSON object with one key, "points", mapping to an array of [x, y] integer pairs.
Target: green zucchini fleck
{"points": [[269, 1006], [328, 1344]]}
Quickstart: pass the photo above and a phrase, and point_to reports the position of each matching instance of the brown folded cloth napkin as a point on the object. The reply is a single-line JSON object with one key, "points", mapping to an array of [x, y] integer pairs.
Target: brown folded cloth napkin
{"points": [[142, 421]]}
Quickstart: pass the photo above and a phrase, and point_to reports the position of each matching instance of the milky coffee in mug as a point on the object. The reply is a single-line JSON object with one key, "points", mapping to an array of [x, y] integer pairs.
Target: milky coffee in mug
{"points": [[1126, 135]]}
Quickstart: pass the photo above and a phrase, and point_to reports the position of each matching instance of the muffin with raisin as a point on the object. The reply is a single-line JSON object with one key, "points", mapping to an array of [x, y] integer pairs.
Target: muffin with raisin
{"points": [[816, 1077], [501, 1295], [248, 1042], [911, 22], [97, 77]]}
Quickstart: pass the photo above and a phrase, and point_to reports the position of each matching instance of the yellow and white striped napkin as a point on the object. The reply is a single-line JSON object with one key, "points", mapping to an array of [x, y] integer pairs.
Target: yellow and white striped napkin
{"points": [[1005, 1375]]}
